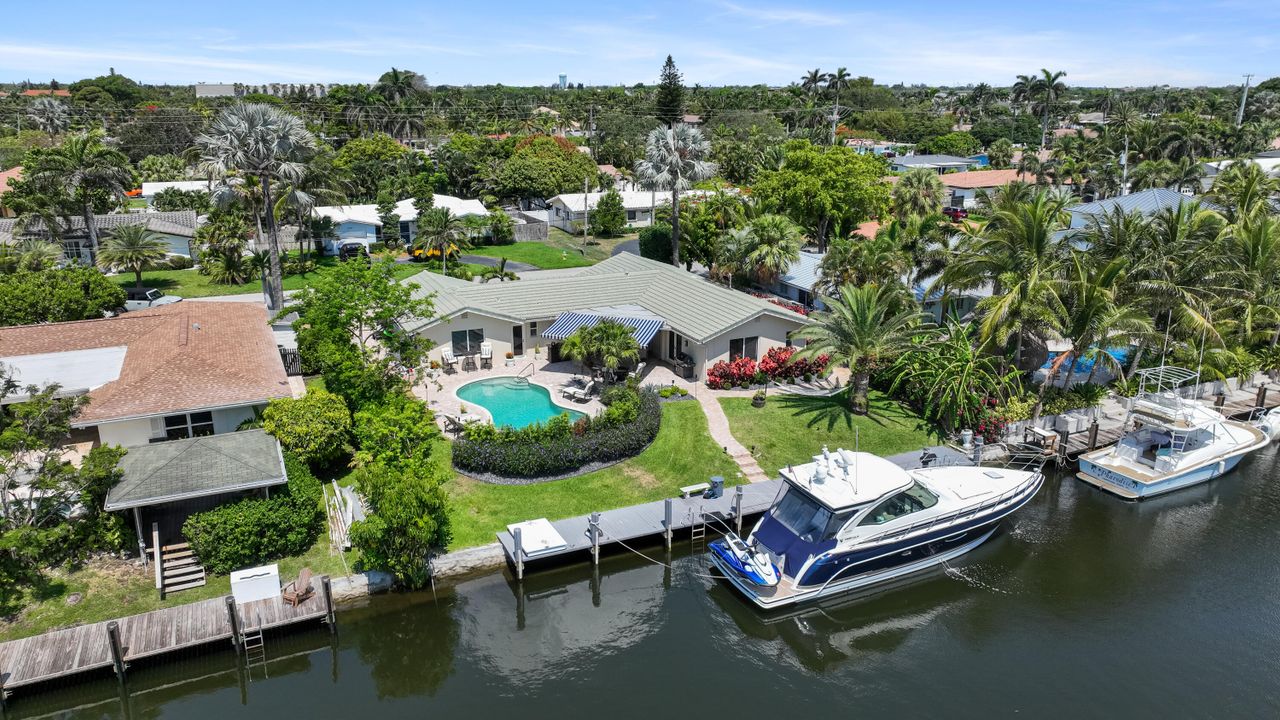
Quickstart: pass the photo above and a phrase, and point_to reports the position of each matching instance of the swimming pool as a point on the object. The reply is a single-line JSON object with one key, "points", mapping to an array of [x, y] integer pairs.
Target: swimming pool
{"points": [[1085, 364], [513, 402]]}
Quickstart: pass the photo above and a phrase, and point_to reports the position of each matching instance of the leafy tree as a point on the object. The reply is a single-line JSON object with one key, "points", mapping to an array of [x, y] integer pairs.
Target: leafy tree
{"points": [[315, 428], [618, 138], [366, 160], [822, 187], [864, 327], [161, 168], [655, 242], [674, 159], [960, 144], [386, 207], [918, 192], [132, 248], [124, 91], [159, 131], [609, 217], [398, 433], [543, 167], [173, 199], [13, 148], [62, 295], [669, 99], [407, 523]]}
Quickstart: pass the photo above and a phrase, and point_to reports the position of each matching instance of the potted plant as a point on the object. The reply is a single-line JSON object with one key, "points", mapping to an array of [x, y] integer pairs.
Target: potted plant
{"points": [[511, 358], [757, 400]]}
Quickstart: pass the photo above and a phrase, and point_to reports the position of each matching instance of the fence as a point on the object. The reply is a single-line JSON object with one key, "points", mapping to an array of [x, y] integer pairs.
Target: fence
{"points": [[292, 361]]}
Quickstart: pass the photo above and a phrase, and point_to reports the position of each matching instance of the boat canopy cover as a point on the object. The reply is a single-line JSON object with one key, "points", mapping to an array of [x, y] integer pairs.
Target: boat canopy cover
{"points": [[843, 478]]}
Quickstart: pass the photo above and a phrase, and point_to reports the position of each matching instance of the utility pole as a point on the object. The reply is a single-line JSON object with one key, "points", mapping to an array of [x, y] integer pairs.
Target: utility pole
{"points": [[591, 127], [586, 210], [835, 118], [1243, 97], [1124, 167]]}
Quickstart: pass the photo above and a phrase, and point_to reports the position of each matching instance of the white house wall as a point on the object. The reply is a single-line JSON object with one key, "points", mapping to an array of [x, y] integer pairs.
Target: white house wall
{"points": [[138, 431], [771, 331]]}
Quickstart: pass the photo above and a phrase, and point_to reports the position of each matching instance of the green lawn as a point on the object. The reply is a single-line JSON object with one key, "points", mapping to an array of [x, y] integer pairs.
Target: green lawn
{"points": [[114, 588], [682, 454], [595, 249], [793, 428], [190, 283], [540, 254]]}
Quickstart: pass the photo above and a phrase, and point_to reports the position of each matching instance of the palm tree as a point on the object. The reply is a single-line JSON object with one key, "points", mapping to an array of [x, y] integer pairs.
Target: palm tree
{"points": [[1244, 189], [855, 260], [606, 345], [674, 159], [774, 246], [498, 272], [1253, 248], [1022, 92], [49, 115], [441, 230], [812, 81], [33, 255], [132, 248], [863, 327], [917, 193], [265, 142], [1048, 88], [396, 85], [87, 169]]}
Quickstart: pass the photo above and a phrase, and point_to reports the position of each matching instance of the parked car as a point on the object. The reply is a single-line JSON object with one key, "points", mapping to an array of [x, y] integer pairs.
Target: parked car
{"points": [[143, 298], [956, 214], [349, 250]]}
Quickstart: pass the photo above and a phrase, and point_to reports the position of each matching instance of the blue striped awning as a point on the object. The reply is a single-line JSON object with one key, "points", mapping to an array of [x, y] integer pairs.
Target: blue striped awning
{"points": [[642, 329]]}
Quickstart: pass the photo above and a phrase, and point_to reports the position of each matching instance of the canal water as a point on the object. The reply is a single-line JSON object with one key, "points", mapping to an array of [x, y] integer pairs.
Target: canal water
{"points": [[1083, 606]]}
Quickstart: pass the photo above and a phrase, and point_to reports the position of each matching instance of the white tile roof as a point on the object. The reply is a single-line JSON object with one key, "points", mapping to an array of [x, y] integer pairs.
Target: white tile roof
{"points": [[368, 214], [149, 189]]}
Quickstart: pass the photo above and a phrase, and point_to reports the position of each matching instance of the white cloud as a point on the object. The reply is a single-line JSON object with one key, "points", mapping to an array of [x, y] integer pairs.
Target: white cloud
{"points": [[779, 14]]}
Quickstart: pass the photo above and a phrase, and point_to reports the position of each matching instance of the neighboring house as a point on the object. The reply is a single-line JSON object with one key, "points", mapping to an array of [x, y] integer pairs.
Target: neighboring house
{"points": [[958, 303], [360, 222], [184, 370], [798, 282], [938, 163], [6, 177], [45, 93], [150, 189], [1147, 202], [568, 211], [679, 318], [177, 229], [963, 187], [620, 182], [863, 146]]}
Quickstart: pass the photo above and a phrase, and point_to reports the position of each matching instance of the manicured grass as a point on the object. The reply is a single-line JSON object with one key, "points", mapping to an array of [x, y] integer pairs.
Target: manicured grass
{"points": [[191, 284], [793, 428], [113, 588], [540, 254], [682, 454], [595, 249]]}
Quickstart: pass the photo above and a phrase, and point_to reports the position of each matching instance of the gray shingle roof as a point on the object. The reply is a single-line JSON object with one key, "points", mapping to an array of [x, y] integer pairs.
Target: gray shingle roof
{"points": [[693, 307], [1147, 202], [181, 223], [198, 467]]}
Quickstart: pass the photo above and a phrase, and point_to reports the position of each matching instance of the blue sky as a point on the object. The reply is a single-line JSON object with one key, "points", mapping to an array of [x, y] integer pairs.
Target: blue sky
{"points": [[715, 42]]}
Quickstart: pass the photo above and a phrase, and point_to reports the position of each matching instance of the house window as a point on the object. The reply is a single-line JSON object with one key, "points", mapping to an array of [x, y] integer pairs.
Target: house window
{"points": [[631, 216], [404, 230], [178, 427], [467, 342], [743, 347], [533, 329]]}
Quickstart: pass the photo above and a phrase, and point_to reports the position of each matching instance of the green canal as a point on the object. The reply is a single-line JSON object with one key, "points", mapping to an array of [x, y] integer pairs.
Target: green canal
{"points": [[1083, 606]]}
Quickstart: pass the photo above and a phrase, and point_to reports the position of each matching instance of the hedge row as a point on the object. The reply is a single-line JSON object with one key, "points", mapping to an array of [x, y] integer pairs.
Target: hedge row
{"points": [[542, 454], [255, 530]]}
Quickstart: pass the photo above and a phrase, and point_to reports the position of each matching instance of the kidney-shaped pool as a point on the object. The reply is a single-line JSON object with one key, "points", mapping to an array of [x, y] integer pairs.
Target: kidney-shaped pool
{"points": [[513, 401]]}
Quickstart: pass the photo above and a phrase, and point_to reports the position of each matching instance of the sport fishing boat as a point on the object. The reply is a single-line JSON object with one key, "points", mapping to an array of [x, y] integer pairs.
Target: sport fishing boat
{"points": [[1175, 441], [849, 520]]}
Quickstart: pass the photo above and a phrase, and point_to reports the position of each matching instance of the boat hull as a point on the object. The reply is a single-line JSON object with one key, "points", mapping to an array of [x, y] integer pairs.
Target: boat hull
{"points": [[1130, 488]]}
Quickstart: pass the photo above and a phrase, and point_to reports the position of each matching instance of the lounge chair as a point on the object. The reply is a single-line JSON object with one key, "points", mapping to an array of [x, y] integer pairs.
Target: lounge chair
{"points": [[299, 590], [486, 355], [584, 394], [453, 424], [450, 360]]}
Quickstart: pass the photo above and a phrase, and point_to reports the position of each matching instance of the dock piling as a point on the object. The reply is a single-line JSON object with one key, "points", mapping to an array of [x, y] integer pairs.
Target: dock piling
{"points": [[737, 508], [234, 618], [117, 651], [1261, 399], [1093, 434], [329, 616], [593, 527], [667, 516], [517, 536]]}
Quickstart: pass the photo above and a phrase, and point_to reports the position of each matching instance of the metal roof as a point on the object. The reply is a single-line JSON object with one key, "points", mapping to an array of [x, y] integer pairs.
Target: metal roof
{"points": [[1147, 202], [182, 469], [804, 272], [692, 306], [642, 328]]}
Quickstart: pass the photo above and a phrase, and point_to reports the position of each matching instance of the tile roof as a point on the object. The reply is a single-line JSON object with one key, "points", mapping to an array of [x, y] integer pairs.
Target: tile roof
{"points": [[1147, 202], [43, 93], [197, 467], [692, 306], [368, 214], [984, 178], [181, 357], [181, 223], [8, 176]]}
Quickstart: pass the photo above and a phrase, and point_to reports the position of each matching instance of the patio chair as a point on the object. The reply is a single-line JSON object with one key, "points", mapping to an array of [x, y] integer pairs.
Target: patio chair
{"points": [[468, 362], [585, 393], [453, 424], [450, 360], [486, 355], [298, 590]]}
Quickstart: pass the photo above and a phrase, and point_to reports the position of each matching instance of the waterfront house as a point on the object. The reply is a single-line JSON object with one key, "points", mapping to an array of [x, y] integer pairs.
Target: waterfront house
{"points": [[679, 318], [177, 371], [361, 223], [176, 229]]}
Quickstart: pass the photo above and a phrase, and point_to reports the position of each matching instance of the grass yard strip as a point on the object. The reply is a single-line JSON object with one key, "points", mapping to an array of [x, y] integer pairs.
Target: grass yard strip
{"points": [[190, 283], [540, 254]]}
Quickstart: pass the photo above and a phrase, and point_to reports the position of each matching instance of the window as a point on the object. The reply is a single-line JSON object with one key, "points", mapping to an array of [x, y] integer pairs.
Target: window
{"points": [[467, 342], [913, 499], [743, 347], [533, 329], [809, 520], [177, 427], [517, 339], [631, 216]]}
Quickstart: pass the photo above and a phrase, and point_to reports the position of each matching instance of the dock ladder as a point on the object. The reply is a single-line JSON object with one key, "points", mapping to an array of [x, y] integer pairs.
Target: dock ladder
{"points": [[255, 649], [698, 525]]}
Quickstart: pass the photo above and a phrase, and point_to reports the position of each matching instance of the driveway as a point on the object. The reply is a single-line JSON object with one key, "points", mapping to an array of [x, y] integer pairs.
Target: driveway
{"points": [[630, 246], [512, 265]]}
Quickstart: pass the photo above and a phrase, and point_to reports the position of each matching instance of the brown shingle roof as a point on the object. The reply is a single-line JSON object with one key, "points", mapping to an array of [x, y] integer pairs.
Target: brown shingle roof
{"points": [[181, 357]]}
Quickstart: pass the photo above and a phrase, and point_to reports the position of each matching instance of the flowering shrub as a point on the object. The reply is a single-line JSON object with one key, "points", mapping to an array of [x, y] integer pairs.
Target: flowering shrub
{"points": [[725, 375], [794, 307], [559, 446], [780, 363]]}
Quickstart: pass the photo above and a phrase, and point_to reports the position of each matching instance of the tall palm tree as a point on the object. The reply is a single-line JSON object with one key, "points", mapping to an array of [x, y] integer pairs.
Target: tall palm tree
{"points": [[396, 85], [1047, 88], [268, 143], [863, 327], [1253, 249], [775, 245], [33, 255], [674, 159], [1022, 92], [132, 248], [812, 81], [918, 193], [440, 230], [86, 168]]}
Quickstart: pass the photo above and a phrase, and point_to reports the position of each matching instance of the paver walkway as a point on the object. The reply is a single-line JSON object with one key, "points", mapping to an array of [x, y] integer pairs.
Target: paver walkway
{"points": [[718, 426]]}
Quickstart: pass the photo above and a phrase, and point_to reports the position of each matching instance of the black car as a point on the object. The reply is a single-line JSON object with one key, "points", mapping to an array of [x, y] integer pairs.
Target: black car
{"points": [[346, 251]]}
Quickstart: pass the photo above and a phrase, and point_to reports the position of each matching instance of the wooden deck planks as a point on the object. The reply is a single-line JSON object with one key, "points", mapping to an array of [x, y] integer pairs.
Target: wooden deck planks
{"points": [[80, 649]]}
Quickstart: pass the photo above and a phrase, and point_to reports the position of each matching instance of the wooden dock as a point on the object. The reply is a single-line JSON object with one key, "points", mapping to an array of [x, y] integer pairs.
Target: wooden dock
{"points": [[649, 520], [93, 647]]}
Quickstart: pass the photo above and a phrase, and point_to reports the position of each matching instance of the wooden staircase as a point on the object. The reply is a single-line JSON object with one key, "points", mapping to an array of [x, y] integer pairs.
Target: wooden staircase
{"points": [[180, 568]]}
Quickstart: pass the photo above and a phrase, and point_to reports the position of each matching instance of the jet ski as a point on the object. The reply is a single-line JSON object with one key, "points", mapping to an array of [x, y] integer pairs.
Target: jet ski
{"points": [[746, 561]]}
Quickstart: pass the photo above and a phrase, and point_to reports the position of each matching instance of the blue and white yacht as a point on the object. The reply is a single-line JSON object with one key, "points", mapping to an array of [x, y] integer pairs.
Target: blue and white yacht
{"points": [[848, 520], [1174, 442]]}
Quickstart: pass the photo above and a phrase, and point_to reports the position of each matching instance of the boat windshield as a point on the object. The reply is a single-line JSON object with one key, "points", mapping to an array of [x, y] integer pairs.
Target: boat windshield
{"points": [[806, 517], [913, 499]]}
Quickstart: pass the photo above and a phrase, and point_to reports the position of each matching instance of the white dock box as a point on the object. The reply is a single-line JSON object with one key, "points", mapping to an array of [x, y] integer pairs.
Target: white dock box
{"points": [[257, 583]]}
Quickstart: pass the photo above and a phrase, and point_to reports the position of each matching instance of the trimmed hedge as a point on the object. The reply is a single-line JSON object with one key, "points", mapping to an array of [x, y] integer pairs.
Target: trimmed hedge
{"points": [[558, 447], [255, 530]]}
